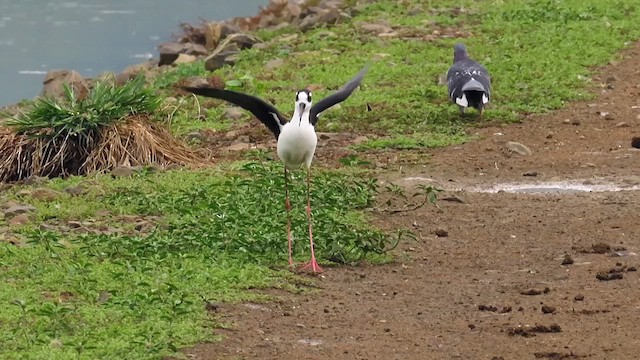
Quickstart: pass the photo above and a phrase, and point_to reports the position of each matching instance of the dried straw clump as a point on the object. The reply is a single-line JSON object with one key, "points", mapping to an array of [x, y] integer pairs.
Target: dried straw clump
{"points": [[129, 142]]}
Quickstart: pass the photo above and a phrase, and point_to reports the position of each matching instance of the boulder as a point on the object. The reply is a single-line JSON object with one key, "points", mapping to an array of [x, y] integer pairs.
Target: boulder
{"points": [[169, 52], [55, 80], [215, 32], [130, 72], [221, 56], [185, 59]]}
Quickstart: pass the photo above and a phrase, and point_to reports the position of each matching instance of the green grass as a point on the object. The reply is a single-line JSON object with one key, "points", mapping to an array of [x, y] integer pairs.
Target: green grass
{"points": [[540, 53], [104, 105], [142, 296]]}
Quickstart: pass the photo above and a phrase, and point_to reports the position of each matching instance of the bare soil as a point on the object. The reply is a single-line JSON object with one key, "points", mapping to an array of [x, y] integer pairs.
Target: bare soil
{"points": [[491, 275]]}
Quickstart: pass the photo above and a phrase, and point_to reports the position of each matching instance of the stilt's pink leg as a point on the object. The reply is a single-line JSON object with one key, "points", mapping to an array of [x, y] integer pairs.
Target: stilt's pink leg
{"points": [[287, 205], [313, 264]]}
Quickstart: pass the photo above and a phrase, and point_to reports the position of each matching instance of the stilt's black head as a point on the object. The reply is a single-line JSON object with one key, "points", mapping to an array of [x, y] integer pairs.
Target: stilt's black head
{"points": [[303, 99]]}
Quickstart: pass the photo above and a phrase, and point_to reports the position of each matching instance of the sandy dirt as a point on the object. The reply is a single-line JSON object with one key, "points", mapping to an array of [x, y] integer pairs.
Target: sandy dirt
{"points": [[508, 275]]}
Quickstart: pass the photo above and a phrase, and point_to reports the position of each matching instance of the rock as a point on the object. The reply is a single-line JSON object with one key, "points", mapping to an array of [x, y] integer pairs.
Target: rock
{"points": [[578, 297], [273, 64], [546, 309], [221, 56], [622, 124], [18, 209], [575, 122], [518, 148], [76, 190], [172, 52], [169, 52], [441, 233], [44, 194], [530, 173], [8, 205], [123, 171], [243, 41], [309, 23], [215, 32], [185, 59], [233, 113], [19, 219], [195, 49], [376, 28], [34, 180], [567, 260], [130, 72], [55, 80], [194, 81], [606, 115], [194, 135]]}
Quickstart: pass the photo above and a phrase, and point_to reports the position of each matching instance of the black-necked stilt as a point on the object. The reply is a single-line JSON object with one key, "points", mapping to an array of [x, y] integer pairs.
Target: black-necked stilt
{"points": [[469, 82], [297, 138]]}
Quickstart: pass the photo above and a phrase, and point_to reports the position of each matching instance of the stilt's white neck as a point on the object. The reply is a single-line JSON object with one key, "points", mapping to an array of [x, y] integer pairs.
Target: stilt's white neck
{"points": [[301, 116]]}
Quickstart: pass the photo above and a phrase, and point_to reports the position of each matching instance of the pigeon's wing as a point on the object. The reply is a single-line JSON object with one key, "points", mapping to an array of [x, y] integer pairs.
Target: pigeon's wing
{"points": [[337, 97], [265, 112]]}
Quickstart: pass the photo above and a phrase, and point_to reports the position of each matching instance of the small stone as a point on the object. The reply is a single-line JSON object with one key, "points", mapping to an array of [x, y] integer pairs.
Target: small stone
{"points": [[607, 276], [19, 219], [622, 124], [566, 121], [441, 233], [18, 209], [635, 142], [530, 173], [274, 63], [548, 309], [44, 194], [76, 190], [233, 113], [376, 28], [549, 135], [518, 148], [567, 260], [606, 115], [575, 122], [123, 171]]}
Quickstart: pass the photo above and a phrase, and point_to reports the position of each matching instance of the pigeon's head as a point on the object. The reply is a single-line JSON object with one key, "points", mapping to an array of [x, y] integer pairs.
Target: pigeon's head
{"points": [[303, 100], [459, 52]]}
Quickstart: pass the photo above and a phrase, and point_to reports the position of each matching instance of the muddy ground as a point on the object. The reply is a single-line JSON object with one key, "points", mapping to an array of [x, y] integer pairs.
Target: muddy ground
{"points": [[495, 287]]}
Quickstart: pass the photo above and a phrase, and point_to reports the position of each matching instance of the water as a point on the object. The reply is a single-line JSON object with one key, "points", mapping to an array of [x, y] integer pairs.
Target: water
{"points": [[92, 36]]}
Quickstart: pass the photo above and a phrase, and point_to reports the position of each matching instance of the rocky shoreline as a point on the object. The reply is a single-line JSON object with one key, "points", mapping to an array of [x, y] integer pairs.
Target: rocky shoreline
{"points": [[217, 42]]}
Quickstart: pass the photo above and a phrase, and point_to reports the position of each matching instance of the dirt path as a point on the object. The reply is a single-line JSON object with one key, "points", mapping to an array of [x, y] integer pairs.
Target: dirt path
{"points": [[480, 292]]}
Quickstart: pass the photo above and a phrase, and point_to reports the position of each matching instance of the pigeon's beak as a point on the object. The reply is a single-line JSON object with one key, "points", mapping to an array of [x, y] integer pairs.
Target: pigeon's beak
{"points": [[302, 106]]}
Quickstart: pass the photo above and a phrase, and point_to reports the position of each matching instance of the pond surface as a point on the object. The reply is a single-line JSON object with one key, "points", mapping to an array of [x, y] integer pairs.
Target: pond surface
{"points": [[92, 36]]}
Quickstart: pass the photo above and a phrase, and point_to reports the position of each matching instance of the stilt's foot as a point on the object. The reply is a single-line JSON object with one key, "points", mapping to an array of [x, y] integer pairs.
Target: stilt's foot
{"points": [[312, 266]]}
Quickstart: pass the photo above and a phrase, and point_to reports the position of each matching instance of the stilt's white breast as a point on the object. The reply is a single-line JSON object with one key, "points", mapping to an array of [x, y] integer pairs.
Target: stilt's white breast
{"points": [[297, 143]]}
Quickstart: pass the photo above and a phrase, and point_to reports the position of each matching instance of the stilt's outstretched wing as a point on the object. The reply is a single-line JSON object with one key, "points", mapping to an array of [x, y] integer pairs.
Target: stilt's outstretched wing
{"points": [[265, 112], [337, 97]]}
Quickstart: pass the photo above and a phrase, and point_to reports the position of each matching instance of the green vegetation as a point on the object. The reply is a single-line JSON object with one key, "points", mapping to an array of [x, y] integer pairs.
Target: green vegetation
{"points": [[133, 295], [104, 105], [540, 53], [220, 233]]}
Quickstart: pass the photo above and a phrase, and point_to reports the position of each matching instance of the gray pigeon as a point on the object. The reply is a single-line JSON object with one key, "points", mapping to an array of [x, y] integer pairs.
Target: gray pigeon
{"points": [[468, 81]]}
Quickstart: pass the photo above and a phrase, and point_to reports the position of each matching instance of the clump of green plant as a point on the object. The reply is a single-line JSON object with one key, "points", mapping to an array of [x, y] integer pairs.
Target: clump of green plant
{"points": [[110, 126]]}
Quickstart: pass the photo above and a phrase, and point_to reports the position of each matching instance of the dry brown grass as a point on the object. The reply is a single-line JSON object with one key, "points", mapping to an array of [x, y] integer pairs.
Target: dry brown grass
{"points": [[136, 141]]}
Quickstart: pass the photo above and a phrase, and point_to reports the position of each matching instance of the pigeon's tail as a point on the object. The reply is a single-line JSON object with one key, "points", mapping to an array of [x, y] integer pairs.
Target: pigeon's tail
{"points": [[473, 85]]}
